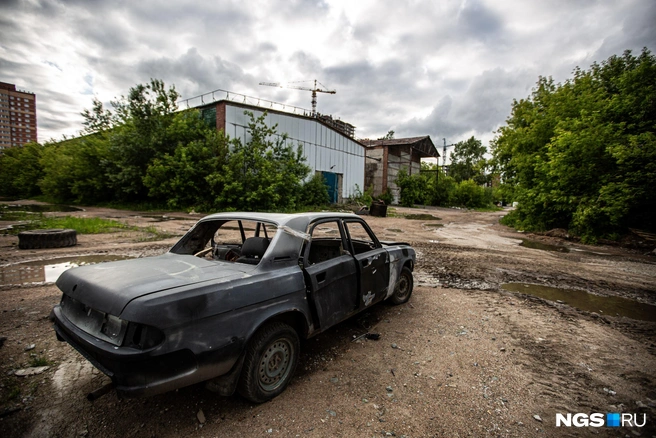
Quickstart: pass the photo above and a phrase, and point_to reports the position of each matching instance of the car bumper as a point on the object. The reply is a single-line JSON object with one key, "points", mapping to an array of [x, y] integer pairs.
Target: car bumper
{"points": [[138, 373]]}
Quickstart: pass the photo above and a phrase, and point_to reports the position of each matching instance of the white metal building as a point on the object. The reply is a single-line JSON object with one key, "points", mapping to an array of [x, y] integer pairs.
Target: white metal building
{"points": [[340, 158]]}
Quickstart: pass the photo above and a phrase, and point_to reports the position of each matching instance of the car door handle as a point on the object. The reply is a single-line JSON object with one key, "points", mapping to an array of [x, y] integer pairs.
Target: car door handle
{"points": [[365, 263], [321, 277]]}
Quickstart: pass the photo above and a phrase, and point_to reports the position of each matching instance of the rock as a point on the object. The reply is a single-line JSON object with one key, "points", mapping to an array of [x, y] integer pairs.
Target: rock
{"points": [[201, 416], [331, 413], [30, 347], [395, 346], [389, 389], [31, 371], [334, 380], [502, 349], [537, 417]]}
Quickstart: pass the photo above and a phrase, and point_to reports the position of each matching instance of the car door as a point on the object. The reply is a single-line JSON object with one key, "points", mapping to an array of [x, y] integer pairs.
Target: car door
{"points": [[330, 274], [372, 262]]}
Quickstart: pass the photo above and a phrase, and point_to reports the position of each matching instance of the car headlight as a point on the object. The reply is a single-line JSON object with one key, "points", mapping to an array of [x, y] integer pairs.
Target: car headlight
{"points": [[142, 336], [114, 329]]}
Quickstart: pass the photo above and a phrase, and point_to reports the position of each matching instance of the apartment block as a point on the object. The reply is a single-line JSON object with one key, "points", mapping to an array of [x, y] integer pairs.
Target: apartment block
{"points": [[17, 116]]}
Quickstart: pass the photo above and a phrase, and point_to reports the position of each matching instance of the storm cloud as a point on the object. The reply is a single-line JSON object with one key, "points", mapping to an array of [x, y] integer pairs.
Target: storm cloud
{"points": [[447, 69]]}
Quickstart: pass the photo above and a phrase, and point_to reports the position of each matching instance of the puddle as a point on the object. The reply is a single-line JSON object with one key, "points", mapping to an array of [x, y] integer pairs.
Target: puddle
{"points": [[165, 218], [433, 225], [612, 306], [422, 217], [38, 208], [48, 271], [543, 246]]}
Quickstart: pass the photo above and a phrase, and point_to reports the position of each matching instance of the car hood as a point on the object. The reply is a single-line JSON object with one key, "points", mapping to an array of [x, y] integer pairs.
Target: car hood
{"points": [[109, 287]]}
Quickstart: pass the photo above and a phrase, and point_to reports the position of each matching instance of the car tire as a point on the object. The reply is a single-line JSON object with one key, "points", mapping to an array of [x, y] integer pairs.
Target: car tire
{"points": [[270, 362], [54, 238], [403, 289]]}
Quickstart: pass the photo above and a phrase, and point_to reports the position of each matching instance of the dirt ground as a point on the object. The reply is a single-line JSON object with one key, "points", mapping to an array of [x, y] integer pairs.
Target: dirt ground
{"points": [[465, 357]]}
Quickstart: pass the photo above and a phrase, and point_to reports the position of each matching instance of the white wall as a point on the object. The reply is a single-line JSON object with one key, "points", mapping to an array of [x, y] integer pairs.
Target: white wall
{"points": [[324, 149]]}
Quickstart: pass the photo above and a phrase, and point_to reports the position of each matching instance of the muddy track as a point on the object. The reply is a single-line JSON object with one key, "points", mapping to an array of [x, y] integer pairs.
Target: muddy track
{"points": [[463, 358]]}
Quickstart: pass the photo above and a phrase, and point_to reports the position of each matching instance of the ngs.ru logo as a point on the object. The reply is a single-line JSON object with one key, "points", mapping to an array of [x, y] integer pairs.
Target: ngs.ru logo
{"points": [[613, 419]]}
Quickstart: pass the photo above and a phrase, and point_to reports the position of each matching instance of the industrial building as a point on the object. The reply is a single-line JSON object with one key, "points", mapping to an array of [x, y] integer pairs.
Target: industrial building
{"points": [[384, 159], [17, 116], [328, 145]]}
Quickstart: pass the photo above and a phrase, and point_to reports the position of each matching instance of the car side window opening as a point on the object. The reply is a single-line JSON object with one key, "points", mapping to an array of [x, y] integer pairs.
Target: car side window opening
{"points": [[232, 240], [326, 242], [361, 237]]}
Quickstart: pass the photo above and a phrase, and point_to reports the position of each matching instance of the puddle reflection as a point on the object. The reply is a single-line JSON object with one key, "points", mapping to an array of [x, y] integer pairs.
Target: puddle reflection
{"points": [[48, 271], [543, 246], [612, 306]]}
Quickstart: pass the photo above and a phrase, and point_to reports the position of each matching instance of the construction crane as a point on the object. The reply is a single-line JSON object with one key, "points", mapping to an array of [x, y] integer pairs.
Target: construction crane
{"points": [[314, 91]]}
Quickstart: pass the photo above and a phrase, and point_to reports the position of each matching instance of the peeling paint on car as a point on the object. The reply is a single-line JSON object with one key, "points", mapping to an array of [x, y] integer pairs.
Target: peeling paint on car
{"points": [[189, 315]]}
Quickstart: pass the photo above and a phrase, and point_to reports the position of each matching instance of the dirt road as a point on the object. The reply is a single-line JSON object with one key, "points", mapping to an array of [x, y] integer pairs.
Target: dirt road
{"points": [[467, 356]]}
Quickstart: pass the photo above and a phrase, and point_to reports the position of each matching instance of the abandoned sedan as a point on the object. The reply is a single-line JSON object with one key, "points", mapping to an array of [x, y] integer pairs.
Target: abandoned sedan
{"points": [[229, 302]]}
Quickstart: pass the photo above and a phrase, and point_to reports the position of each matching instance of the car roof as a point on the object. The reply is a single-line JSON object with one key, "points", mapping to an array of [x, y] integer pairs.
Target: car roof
{"points": [[297, 221]]}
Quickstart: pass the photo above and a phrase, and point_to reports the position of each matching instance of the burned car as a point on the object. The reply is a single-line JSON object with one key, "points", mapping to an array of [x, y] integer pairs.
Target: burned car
{"points": [[229, 303]]}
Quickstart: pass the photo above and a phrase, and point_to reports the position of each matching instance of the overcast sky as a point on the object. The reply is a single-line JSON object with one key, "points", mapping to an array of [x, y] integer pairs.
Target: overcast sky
{"points": [[448, 69]]}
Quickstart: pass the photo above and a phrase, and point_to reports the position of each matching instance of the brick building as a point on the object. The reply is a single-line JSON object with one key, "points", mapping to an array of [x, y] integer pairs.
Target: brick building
{"points": [[384, 159], [17, 116]]}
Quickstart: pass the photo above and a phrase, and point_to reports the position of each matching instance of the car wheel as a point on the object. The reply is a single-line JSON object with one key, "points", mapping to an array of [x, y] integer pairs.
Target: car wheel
{"points": [[403, 287], [271, 358]]}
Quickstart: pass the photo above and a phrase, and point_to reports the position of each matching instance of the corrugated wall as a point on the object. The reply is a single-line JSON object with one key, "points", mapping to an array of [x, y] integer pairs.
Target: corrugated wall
{"points": [[325, 150]]}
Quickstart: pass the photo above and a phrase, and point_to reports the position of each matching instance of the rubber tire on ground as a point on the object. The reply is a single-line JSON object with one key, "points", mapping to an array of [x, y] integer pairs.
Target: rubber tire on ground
{"points": [[54, 238], [276, 345], [403, 289]]}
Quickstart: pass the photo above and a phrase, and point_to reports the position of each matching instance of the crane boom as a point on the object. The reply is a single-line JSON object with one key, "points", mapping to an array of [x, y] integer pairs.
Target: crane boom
{"points": [[314, 91]]}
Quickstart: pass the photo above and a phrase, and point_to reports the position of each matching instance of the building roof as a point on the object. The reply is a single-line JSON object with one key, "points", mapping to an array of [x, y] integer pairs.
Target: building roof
{"points": [[424, 145], [339, 126]]}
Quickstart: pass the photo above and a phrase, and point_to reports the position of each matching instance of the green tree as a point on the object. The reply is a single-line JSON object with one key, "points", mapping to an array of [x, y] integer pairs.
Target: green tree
{"points": [[184, 178], [581, 155], [74, 170], [264, 173], [144, 128], [20, 171], [467, 161]]}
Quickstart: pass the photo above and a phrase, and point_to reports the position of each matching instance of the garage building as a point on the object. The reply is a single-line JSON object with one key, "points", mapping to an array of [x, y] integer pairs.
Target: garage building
{"points": [[328, 145]]}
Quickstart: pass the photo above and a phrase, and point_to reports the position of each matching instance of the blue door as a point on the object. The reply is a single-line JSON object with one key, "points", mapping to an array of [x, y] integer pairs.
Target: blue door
{"points": [[331, 181]]}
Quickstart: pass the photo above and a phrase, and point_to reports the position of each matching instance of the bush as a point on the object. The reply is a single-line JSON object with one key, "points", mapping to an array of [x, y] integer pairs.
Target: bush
{"points": [[20, 171], [314, 192], [387, 197], [469, 194]]}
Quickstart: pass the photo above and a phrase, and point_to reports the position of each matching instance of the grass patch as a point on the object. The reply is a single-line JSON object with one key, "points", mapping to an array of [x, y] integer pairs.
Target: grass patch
{"points": [[489, 208], [422, 217], [152, 234], [83, 225], [39, 361]]}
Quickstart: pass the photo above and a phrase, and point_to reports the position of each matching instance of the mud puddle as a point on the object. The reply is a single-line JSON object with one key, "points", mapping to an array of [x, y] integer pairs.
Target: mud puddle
{"points": [[38, 208], [48, 271], [165, 218], [433, 225], [612, 306], [542, 246]]}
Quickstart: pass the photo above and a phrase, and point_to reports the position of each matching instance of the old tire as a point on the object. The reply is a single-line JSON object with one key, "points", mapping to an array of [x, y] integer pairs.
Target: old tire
{"points": [[403, 288], [54, 238], [271, 358]]}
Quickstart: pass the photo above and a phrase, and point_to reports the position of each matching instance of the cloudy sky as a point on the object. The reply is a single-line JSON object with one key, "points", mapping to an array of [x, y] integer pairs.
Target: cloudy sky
{"points": [[447, 68]]}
